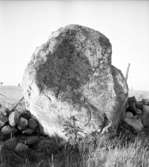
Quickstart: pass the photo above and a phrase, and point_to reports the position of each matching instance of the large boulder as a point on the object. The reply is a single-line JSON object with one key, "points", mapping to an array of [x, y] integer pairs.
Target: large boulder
{"points": [[71, 86]]}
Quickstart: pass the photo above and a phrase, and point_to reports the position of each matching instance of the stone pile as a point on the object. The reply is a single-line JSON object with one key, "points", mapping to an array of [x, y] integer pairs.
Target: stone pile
{"points": [[14, 122], [22, 137], [137, 114]]}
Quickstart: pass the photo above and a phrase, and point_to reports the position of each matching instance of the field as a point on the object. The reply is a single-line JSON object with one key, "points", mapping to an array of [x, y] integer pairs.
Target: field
{"points": [[125, 149], [9, 95]]}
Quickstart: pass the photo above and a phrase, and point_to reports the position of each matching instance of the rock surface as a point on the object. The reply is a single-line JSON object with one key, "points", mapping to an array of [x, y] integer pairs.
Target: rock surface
{"points": [[21, 147], [32, 123], [7, 130], [3, 115], [22, 124], [12, 119], [135, 123], [70, 81]]}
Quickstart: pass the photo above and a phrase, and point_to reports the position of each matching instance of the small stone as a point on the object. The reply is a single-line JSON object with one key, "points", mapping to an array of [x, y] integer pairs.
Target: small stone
{"points": [[132, 99], [145, 119], [10, 143], [21, 147], [26, 114], [14, 117], [3, 116], [145, 116], [129, 114], [40, 130], [146, 108], [145, 101], [28, 131], [4, 110], [139, 105], [22, 124], [2, 123], [135, 123], [11, 119], [139, 111], [7, 130], [131, 105], [32, 123]]}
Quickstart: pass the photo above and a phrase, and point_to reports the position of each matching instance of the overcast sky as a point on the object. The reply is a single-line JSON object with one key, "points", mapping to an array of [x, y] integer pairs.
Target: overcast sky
{"points": [[27, 24]]}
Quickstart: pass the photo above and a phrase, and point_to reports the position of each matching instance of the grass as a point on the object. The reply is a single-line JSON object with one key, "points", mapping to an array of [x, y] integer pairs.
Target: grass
{"points": [[132, 155], [107, 151]]}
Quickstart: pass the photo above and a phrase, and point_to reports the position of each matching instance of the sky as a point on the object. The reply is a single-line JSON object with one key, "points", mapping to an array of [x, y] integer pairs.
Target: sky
{"points": [[24, 25]]}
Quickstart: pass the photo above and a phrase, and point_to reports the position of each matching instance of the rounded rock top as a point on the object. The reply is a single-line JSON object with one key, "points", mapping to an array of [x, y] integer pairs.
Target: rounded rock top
{"points": [[85, 40], [73, 52]]}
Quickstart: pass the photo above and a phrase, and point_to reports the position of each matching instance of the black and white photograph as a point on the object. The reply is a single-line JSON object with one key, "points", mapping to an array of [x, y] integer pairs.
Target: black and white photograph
{"points": [[74, 83]]}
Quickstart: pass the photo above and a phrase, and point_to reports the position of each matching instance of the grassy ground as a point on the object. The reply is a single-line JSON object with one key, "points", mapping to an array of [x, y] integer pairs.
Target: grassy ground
{"points": [[130, 155], [127, 150], [9, 95]]}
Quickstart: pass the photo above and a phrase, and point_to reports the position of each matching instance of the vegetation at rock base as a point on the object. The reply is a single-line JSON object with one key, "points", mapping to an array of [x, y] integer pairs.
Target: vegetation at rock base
{"points": [[126, 149]]}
